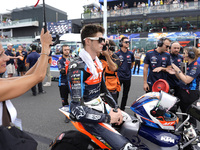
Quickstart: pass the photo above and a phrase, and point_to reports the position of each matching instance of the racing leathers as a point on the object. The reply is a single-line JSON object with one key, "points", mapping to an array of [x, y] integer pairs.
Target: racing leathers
{"points": [[88, 107]]}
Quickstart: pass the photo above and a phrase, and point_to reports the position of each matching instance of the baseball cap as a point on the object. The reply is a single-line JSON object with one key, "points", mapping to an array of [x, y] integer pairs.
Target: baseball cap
{"points": [[9, 44]]}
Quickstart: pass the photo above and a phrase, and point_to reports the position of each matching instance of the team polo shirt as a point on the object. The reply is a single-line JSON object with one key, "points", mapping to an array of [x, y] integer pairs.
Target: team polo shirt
{"points": [[154, 60], [193, 70], [126, 59], [32, 58], [9, 53], [172, 79], [21, 62], [62, 64]]}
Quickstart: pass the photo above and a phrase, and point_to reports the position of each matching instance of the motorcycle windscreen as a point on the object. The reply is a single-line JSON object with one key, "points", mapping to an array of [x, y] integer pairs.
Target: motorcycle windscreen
{"points": [[167, 101], [194, 110]]}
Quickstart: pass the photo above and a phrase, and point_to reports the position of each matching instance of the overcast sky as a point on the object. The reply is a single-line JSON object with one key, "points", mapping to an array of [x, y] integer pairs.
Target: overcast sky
{"points": [[74, 8]]}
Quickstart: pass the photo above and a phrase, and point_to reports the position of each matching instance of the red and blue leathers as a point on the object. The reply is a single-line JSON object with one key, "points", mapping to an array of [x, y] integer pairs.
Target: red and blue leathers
{"points": [[85, 88]]}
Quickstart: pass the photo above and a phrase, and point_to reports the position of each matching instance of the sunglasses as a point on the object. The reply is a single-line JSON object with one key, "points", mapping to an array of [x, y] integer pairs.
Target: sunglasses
{"points": [[100, 39], [112, 48], [167, 46], [127, 42]]}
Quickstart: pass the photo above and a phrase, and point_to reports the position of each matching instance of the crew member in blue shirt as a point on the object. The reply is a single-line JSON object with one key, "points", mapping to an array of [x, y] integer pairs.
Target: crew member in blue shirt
{"points": [[124, 72], [31, 60], [156, 63], [188, 91], [63, 64]]}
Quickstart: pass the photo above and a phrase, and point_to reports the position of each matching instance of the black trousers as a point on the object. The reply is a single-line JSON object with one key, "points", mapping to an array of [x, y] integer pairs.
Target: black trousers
{"points": [[187, 97], [64, 92], [137, 63], [126, 88], [40, 88]]}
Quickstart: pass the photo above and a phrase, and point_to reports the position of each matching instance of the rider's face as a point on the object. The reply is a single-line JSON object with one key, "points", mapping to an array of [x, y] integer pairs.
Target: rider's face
{"points": [[96, 46]]}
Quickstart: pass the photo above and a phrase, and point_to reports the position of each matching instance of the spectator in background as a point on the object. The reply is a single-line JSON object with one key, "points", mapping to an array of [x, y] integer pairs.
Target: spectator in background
{"points": [[48, 74], [135, 4], [134, 49], [21, 67], [186, 4], [31, 60], [151, 4], [111, 63], [142, 50], [124, 72], [138, 56], [10, 65]]}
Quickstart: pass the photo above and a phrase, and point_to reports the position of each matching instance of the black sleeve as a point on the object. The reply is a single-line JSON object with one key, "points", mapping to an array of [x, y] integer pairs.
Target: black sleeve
{"points": [[107, 96]]}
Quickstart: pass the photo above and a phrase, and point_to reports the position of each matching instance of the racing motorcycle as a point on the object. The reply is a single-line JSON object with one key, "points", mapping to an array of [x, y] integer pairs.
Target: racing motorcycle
{"points": [[152, 126]]}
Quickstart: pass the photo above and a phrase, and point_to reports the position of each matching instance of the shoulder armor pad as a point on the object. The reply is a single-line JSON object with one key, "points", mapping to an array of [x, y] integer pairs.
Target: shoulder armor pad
{"points": [[77, 63]]}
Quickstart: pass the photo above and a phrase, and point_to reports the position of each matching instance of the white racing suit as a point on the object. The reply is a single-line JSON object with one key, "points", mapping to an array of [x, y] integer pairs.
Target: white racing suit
{"points": [[88, 108]]}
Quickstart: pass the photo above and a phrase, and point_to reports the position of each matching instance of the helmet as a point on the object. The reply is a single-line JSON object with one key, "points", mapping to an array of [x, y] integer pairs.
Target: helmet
{"points": [[153, 110]]}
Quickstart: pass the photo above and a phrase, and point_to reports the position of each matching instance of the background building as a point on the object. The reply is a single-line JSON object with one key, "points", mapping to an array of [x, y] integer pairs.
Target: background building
{"points": [[176, 19], [23, 25]]}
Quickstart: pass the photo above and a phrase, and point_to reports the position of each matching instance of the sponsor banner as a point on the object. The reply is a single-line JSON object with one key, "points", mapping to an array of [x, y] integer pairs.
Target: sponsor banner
{"points": [[118, 37], [54, 66], [55, 58]]}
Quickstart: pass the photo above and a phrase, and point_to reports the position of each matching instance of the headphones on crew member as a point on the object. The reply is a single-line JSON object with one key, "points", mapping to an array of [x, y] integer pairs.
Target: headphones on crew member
{"points": [[191, 53], [161, 42], [61, 51], [33, 47], [120, 43]]}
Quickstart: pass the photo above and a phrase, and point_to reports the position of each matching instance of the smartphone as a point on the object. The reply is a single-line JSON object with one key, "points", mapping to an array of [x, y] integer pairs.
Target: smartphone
{"points": [[184, 67]]}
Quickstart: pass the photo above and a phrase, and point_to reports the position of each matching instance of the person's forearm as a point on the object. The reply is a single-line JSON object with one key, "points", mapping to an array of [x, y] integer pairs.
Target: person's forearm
{"points": [[111, 64], [42, 63], [145, 76], [12, 57], [165, 69], [32, 69], [132, 65], [186, 79]]}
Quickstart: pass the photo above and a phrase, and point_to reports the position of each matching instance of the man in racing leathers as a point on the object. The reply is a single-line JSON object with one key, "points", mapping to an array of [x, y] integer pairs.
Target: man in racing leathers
{"points": [[86, 85]]}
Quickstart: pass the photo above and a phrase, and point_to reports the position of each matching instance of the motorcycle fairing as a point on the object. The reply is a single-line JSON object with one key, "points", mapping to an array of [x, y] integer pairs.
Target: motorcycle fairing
{"points": [[138, 108], [145, 104], [159, 137], [79, 127]]}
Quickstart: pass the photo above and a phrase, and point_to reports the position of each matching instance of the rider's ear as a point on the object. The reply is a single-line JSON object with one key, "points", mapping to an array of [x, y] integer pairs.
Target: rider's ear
{"points": [[87, 41]]}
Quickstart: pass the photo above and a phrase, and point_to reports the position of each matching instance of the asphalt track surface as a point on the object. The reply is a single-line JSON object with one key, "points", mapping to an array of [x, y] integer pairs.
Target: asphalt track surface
{"points": [[41, 117]]}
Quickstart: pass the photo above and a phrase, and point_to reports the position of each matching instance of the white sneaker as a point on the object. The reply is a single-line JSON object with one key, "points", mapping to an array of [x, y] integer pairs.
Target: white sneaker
{"points": [[47, 84]]}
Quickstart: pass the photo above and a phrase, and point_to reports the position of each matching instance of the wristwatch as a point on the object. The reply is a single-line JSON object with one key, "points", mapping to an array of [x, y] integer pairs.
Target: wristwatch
{"points": [[179, 71]]}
